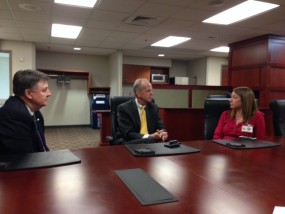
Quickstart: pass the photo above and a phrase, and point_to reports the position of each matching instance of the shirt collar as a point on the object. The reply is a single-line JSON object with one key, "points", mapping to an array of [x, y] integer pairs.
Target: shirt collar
{"points": [[30, 111], [138, 104]]}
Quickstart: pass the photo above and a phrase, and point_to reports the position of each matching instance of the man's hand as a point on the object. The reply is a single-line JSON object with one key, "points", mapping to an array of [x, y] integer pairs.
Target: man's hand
{"points": [[159, 135]]}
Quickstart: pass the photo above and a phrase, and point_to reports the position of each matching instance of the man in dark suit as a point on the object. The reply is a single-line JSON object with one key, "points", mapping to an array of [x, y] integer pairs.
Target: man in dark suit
{"points": [[21, 122], [129, 116]]}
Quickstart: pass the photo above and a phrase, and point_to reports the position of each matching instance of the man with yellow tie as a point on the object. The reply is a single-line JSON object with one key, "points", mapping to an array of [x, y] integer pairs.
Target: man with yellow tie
{"points": [[139, 118]]}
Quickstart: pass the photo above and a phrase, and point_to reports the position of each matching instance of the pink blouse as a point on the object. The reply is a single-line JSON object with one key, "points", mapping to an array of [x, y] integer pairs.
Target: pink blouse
{"points": [[228, 129]]}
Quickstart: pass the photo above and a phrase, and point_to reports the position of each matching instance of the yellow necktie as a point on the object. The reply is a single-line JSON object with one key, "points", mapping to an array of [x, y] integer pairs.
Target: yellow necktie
{"points": [[143, 121]]}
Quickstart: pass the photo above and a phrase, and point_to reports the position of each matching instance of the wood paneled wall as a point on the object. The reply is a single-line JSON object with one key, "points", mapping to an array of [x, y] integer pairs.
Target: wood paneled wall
{"points": [[259, 63]]}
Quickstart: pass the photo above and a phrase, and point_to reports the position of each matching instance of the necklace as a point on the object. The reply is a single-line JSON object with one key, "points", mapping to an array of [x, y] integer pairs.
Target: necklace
{"points": [[238, 120]]}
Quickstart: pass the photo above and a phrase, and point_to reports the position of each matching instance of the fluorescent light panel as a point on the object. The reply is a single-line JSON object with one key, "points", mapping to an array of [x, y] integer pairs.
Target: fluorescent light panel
{"points": [[77, 49], [223, 49], [240, 12], [65, 31], [79, 3], [161, 55], [170, 41]]}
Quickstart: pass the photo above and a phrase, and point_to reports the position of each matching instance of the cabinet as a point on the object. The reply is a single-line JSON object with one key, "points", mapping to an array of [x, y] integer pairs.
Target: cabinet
{"points": [[259, 63], [133, 72], [70, 74]]}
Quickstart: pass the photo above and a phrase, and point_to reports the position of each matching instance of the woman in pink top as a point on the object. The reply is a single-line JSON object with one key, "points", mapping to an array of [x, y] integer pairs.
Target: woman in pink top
{"points": [[244, 118]]}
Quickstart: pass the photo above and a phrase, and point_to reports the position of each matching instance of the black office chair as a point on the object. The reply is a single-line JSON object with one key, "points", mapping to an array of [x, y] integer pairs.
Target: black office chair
{"points": [[114, 140], [278, 116], [217, 96], [213, 108], [114, 102]]}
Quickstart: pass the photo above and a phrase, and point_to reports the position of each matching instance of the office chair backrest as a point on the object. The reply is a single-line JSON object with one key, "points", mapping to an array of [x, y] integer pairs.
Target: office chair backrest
{"points": [[217, 96], [278, 116], [213, 108], [114, 102]]}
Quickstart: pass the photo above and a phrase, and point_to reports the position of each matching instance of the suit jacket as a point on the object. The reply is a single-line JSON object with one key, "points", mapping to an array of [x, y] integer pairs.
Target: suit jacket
{"points": [[129, 120], [17, 128]]}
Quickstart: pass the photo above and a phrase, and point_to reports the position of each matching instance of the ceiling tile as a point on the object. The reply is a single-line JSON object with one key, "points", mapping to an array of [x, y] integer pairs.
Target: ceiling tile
{"points": [[128, 6], [106, 28]]}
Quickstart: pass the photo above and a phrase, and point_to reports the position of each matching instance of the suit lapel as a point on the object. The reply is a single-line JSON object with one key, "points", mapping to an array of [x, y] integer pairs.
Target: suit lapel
{"points": [[135, 113]]}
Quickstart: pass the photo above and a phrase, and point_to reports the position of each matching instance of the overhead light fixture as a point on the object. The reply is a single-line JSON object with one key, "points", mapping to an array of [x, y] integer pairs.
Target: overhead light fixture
{"points": [[170, 41], [223, 49], [77, 49], [240, 12], [161, 55], [65, 31], [79, 3]]}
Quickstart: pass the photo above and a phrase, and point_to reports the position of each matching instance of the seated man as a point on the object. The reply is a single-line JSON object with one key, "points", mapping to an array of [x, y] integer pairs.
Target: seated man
{"points": [[138, 119], [21, 122]]}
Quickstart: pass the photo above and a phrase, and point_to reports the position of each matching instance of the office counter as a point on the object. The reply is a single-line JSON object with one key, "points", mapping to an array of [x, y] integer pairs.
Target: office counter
{"points": [[216, 180]]}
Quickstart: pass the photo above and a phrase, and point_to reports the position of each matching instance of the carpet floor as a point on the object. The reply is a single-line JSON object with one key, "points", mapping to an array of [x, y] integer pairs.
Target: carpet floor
{"points": [[59, 138]]}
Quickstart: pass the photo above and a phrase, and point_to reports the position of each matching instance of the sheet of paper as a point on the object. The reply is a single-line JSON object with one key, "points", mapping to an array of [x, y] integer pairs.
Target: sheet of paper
{"points": [[279, 210]]}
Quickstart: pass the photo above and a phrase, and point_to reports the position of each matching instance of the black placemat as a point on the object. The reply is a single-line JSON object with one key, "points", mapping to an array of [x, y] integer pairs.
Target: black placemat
{"points": [[37, 160], [247, 144], [160, 149], [145, 188]]}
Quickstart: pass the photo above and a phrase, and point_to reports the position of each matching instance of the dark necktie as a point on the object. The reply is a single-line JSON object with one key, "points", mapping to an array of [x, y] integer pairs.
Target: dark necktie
{"points": [[40, 136]]}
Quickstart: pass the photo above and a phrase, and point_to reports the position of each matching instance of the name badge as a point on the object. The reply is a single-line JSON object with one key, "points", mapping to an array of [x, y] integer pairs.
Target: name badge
{"points": [[248, 129]]}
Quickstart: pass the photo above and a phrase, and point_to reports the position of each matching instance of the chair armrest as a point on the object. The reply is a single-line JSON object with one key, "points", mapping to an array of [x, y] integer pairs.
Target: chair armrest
{"points": [[110, 139]]}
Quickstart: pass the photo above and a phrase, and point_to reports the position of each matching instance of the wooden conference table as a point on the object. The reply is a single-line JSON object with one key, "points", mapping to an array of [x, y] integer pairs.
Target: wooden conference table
{"points": [[216, 180]]}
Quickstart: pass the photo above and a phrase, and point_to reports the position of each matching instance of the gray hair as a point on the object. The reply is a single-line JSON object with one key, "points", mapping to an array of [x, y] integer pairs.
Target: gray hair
{"points": [[138, 84], [27, 79]]}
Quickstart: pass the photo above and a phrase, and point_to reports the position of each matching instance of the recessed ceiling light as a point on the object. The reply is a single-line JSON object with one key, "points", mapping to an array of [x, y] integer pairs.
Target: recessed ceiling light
{"points": [[79, 3], [77, 49], [171, 41], [161, 55], [240, 12], [65, 31], [223, 49]]}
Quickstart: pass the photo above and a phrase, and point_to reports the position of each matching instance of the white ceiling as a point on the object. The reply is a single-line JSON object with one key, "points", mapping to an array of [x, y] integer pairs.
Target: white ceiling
{"points": [[107, 27]]}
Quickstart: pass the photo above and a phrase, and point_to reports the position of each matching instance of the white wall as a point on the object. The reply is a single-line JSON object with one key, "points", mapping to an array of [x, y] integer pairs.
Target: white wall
{"points": [[5, 76], [214, 70], [116, 70], [207, 70], [23, 54], [147, 61], [68, 105], [178, 69], [98, 66], [197, 68]]}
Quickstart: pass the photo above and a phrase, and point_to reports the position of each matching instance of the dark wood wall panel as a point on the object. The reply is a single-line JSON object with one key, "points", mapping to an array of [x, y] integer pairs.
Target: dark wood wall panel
{"points": [[246, 77], [184, 124], [225, 76], [276, 95], [277, 51], [249, 54], [276, 77], [260, 64]]}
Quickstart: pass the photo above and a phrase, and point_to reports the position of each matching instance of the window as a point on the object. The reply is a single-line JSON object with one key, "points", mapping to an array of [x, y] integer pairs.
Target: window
{"points": [[5, 76]]}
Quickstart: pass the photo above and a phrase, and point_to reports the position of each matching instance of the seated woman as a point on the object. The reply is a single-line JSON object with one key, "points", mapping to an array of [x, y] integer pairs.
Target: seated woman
{"points": [[244, 118]]}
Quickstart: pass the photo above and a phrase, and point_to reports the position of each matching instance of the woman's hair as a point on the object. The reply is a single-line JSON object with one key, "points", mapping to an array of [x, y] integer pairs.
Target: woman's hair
{"points": [[248, 102]]}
